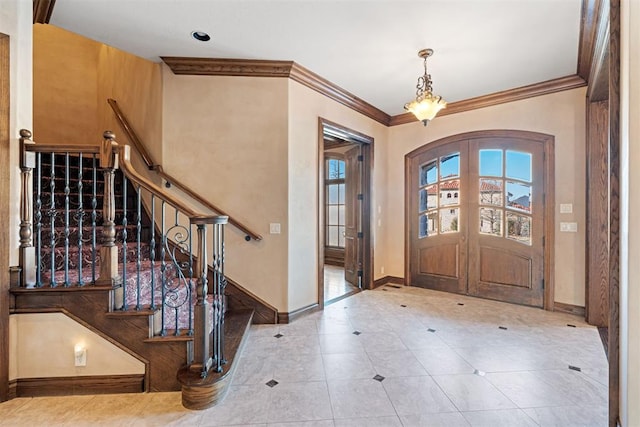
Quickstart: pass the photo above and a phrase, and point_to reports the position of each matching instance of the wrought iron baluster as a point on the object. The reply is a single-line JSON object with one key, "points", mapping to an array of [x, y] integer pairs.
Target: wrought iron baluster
{"points": [[218, 315], [190, 284], [94, 215], [152, 252], [178, 268], [223, 285], [38, 220], [124, 240], [67, 190], [80, 220], [52, 220], [138, 249], [162, 266]]}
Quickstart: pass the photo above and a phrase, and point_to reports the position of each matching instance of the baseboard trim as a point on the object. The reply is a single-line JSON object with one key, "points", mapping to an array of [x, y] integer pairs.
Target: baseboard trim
{"points": [[240, 298], [288, 317], [388, 279], [569, 308], [65, 386], [13, 386]]}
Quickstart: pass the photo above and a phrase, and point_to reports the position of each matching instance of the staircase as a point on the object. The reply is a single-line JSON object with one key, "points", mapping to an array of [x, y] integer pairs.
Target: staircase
{"points": [[112, 249]]}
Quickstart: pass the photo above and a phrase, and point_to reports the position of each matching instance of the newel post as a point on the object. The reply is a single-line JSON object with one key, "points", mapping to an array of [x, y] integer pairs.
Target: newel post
{"points": [[202, 312], [27, 250], [108, 249]]}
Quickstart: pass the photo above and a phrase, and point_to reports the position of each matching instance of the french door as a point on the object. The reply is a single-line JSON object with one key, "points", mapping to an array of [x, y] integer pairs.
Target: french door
{"points": [[477, 215]]}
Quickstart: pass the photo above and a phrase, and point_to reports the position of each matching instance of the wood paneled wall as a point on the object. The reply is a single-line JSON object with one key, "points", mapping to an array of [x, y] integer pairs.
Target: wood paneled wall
{"points": [[597, 210]]}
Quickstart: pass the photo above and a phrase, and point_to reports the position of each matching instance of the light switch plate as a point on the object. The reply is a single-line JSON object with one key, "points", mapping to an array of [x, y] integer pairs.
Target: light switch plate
{"points": [[274, 228], [566, 208], [569, 227]]}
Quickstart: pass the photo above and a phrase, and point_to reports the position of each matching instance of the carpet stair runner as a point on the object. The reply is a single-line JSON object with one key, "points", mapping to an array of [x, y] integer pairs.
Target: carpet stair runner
{"points": [[80, 259]]}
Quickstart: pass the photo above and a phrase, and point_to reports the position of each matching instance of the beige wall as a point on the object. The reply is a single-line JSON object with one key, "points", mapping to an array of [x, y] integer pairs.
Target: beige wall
{"points": [[305, 106], [261, 134], [65, 86], [136, 85], [58, 343], [74, 76], [226, 138], [15, 21], [630, 209], [561, 115]]}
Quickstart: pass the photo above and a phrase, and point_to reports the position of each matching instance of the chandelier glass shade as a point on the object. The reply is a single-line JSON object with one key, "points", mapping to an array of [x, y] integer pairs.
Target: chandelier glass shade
{"points": [[426, 105]]}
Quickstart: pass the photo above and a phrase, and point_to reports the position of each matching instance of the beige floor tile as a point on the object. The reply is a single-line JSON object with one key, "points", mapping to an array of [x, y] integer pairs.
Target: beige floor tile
{"points": [[470, 392], [325, 372], [392, 421], [342, 366], [304, 401], [396, 363], [417, 395], [359, 398], [444, 419], [500, 418]]}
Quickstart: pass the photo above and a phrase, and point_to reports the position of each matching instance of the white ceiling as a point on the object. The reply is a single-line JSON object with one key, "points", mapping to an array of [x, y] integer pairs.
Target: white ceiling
{"points": [[367, 47]]}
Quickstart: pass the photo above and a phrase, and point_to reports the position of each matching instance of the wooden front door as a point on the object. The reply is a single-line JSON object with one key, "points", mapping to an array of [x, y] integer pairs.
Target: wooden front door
{"points": [[352, 246], [506, 220], [477, 215], [438, 227]]}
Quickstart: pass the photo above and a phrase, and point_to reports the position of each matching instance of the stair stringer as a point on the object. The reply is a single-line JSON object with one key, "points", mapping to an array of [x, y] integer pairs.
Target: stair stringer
{"points": [[90, 304]]}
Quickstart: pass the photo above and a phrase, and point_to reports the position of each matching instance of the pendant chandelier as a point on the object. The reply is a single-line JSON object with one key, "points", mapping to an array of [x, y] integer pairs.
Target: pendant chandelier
{"points": [[426, 105]]}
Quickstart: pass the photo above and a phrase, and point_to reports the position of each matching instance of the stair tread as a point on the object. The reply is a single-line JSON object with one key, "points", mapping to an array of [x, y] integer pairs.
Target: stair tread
{"points": [[145, 311], [60, 288]]}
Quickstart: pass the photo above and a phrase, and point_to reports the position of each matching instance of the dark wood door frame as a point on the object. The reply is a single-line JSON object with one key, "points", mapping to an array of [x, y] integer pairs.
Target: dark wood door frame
{"points": [[549, 226], [5, 192], [614, 214], [348, 135]]}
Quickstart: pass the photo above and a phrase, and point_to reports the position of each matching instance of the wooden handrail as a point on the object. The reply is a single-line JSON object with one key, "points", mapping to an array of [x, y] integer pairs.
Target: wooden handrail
{"points": [[124, 161], [133, 137], [146, 157]]}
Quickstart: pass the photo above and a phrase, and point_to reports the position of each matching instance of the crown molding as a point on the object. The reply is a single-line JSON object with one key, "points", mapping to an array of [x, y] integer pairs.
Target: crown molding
{"points": [[265, 68], [313, 81], [227, 67], [598, 77], [517, 94], [590, 21], [306, 77], [42, 10]]}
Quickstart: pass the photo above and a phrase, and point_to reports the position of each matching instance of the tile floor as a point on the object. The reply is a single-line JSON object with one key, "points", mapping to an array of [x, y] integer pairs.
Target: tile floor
{"points": [[334, 284], [437, 363]]}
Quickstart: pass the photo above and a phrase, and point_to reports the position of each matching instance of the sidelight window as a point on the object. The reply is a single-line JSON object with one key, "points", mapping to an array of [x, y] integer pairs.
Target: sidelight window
{"points": [[335, 202]]}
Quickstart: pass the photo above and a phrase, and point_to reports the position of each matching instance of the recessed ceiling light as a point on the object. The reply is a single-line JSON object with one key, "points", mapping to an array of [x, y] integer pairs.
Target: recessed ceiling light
{"points": [[200, 36]]}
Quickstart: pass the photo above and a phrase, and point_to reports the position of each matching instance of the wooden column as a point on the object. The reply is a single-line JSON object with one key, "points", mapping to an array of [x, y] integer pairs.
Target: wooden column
{"points": [[27, 259], [5, 202], [614, 213], [108, 248], [597, 209], [202, 314]]}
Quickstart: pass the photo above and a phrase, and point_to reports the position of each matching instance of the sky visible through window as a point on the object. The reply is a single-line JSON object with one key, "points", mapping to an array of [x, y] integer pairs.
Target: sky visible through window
{"points": [[518, 166]]}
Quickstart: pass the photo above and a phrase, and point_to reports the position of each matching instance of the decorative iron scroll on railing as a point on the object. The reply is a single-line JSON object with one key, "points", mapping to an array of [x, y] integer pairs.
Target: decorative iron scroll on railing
{"points": [[89, 219]]}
